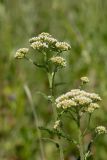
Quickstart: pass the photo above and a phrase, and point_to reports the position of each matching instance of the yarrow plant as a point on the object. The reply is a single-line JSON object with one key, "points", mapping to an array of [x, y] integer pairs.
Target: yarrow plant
{"points": [[76, 103]]}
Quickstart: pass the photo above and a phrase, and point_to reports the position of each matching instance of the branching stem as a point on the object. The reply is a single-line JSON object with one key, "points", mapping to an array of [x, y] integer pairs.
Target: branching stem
{"points": [[36, 64], [51, 78]]}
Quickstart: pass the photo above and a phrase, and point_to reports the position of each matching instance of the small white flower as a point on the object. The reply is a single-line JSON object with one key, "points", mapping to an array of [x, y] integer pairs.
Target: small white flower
{"points": [[92, 107], [58, 61], [73, 93], [82, 100], [34, 39], [57, 124], [62, 46], [44, 34], [61, 98], [94, 97], [66, 104], [39, 45], [84, 79], [100, 130], [20, 53], [50, 40]]}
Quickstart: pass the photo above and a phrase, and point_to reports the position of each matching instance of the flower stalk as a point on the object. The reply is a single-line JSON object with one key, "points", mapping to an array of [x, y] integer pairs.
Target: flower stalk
{"points": [[80, 139], [51, 78]]}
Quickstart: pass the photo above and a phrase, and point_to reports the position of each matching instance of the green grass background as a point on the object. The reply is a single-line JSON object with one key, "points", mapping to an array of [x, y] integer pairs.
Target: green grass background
{"points": [[82, 23]]}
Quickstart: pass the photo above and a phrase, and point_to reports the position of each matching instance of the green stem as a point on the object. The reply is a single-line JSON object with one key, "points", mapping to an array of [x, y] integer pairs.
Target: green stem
{"points": [[80, 138], [36, 64], [61, 150], [51, 78], [81, 146], [88, 125], [72, 116], [36, 121]]}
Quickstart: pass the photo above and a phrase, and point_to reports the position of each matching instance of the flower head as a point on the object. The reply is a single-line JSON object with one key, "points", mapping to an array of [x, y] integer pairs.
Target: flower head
{"points": [[92, 107], [82, 100], [59, 61], [45, 34], [100, 130], [67, 103], [20, 53], [41, 39], [79, 98], [50, 41], [57, 124], [95, 97], [46, 37], [84, 79], [34, 39], [62, 46], [61, 98], [39, 45]]}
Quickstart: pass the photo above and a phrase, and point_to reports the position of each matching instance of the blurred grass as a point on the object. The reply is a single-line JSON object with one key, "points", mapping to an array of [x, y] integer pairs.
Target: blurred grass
{"points": [[83, 24]]}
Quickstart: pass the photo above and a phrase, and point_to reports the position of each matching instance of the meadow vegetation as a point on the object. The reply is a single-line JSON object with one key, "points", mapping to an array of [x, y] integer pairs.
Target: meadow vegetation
{"points": [[24, 86]]}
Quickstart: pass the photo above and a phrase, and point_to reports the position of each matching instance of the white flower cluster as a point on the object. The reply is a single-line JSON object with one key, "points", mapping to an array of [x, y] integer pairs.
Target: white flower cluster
{"points": [[43, 38], [59, 61], [20, 53], [45, 34], [77, 97], [62, 46], [39, 45], [67, 103], [48, 42], [84, 79], [92, 107], [57, 124], [100, 130], [82, 100]]}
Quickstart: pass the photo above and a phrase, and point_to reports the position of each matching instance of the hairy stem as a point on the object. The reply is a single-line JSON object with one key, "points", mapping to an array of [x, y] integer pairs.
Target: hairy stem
{"points": [[81, 145]]}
